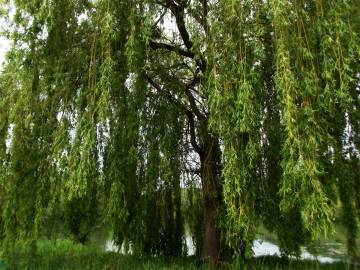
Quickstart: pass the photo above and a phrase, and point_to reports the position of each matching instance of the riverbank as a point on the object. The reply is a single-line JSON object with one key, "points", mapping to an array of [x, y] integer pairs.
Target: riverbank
{"points": [[65, 255]]}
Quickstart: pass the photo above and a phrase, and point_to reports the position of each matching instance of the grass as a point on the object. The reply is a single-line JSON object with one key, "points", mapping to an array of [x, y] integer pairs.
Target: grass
{"points": [[2, 265], [65, 255]]}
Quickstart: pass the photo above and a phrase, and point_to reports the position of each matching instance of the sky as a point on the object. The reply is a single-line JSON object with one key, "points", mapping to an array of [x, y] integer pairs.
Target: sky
{"points": [[4, 46], [5, 13], [4, 43]]}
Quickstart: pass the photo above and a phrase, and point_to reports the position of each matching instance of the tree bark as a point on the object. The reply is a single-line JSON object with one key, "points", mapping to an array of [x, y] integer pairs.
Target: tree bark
{"points": [[212, 199]]}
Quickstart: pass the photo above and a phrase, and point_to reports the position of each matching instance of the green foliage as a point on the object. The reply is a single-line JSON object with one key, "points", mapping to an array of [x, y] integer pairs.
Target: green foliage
{"points": [[235, 105], [305, 74]]}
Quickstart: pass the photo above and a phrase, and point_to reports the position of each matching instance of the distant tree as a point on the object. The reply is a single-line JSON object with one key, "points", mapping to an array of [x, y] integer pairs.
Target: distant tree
{"points": [[155, 115]]}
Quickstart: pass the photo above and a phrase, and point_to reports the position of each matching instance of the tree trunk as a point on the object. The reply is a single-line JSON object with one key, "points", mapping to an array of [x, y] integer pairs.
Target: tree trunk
{"points": [[212, 199]]}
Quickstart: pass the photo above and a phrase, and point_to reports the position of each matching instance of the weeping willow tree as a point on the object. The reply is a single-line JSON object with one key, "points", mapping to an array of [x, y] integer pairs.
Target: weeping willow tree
{"points": [[165, 119]]}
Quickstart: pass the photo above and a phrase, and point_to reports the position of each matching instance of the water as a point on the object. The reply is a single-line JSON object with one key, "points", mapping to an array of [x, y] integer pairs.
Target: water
{"points": [[111, 247], [263, 248], [324, 253]]}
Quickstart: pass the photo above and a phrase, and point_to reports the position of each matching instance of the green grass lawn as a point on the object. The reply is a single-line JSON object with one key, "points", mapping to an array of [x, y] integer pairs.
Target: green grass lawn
{"points": [[65, 255], [2, 265]]}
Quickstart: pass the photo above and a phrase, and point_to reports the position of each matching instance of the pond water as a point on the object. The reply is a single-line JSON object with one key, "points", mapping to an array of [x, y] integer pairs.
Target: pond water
{"points": [[324, 253], [263, 248]]}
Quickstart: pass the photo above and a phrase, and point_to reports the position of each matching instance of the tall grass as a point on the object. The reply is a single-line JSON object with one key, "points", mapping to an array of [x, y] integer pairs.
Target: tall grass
{"points": [[66, 255]]}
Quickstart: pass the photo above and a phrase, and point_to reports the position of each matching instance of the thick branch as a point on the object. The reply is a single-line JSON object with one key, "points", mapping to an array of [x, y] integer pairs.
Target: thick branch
{"points": [[188, 113], [193, 142], [178, 11], [204, 17], [167, 94], [159, 45], [191, 98]]}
